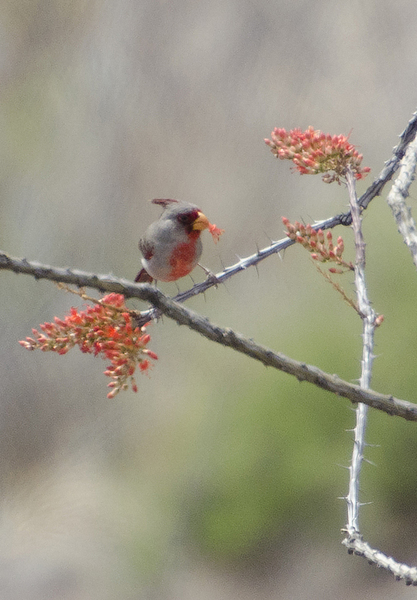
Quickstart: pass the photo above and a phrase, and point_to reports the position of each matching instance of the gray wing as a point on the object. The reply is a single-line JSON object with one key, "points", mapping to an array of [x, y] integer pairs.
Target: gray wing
{"points": [[147, 248]]}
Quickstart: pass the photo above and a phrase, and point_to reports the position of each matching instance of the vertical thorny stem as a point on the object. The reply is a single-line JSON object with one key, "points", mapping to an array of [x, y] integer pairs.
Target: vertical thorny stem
{"points": [[368, 319]]}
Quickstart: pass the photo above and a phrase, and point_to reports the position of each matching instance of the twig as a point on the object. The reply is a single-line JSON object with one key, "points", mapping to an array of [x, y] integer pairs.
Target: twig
{"points": [[80, 292], [338, 289], [226, 337]]}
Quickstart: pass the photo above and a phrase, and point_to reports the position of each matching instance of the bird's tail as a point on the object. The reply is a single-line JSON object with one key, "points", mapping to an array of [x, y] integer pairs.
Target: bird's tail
{"points": [[143, 277]]}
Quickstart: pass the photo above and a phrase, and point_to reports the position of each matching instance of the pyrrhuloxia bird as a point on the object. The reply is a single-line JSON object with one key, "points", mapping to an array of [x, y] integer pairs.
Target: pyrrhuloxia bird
{"points": [[171, 246]]}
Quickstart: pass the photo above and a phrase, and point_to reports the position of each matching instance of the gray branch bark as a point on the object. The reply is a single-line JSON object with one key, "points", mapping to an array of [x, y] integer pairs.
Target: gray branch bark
{"points": [[225, 337]]}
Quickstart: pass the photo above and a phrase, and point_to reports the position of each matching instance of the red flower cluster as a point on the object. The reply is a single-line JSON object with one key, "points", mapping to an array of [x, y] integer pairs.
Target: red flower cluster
{"points": [[105, 329], [315, 152], [319, 245]]}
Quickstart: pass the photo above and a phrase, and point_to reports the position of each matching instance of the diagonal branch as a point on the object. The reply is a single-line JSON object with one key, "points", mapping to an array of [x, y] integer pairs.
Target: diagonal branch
{"points": [[390, 167], [225, 337]]}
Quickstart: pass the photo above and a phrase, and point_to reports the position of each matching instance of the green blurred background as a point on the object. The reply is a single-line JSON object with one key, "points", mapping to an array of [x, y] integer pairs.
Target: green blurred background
{"points": [[220, 478]]}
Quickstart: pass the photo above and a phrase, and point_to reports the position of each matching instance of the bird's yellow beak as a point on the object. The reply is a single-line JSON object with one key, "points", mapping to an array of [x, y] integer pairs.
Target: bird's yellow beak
{"points": [[201, 222]]}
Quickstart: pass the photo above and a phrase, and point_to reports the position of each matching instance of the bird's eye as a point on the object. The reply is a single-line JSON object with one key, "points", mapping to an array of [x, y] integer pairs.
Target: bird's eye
{"points": [[185, 219]]}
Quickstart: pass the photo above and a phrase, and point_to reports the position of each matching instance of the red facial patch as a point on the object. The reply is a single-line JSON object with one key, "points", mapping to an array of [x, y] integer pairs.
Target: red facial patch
{"points": [[187, 219]]}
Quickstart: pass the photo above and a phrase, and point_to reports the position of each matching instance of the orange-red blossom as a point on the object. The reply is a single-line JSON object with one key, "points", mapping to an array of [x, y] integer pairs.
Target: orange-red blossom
{"points": [[319, 244], [215, 231], [313, 151], [104, 329]]}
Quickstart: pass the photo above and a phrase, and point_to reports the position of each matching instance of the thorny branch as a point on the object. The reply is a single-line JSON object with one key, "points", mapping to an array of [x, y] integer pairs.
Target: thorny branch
{"points": [[184, 316], [368, 319]]}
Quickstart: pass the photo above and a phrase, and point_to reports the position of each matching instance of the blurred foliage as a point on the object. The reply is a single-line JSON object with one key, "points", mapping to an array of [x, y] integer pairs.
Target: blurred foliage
{"points": [[269, 466]]}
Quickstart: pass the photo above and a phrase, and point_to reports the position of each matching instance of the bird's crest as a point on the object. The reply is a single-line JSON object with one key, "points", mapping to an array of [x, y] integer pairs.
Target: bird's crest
{"points": [[163, 201]]}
